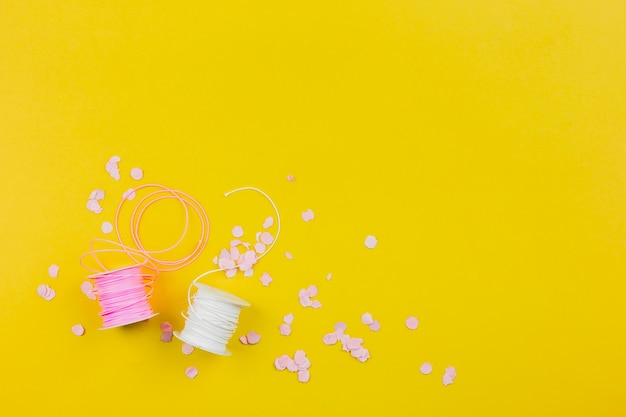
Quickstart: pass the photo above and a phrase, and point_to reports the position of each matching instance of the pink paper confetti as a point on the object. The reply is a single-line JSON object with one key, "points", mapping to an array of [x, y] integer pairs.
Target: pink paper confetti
{"points": [[291, 366], [166, 327], [266, 238], [288, 255], [191, 372], [45, 292], [308, 215], [367, 319], [329, 277], [412, 323], [299, 357], [451, 371], [312, 291], [230, 273], [426, 368], [269, 222], [129, 194], [259, 247], [281, 362], [106, 227], [244, 340], [340, 326], [447, 380], [78, 330], [290, 178], [136, 174], [330, 338], [187, 349], [97, 195], [112, 167], [305, 301], [266, 279], [375, 326], [285, 329], [86, 287], [53, 271], [371, 242], [94, 206], [288, 318], [248, 273], [166, 337], [237, 231], [253, 338], [304, 376], [316, 304]]}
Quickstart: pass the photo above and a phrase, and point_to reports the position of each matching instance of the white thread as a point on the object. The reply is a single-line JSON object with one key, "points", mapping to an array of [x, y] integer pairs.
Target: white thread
{"points": [[213, 315]]}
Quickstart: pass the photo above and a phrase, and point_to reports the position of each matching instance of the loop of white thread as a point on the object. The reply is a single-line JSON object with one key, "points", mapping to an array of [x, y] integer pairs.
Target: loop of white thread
{"points": [[213, 315]]}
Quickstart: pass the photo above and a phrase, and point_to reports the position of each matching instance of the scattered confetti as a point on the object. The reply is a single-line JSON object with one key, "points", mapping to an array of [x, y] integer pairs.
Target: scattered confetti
{"points": [[94, 206], [266, 279], [253, 338], [107, 227], [53, 271], [371, 242], [191, 372], [45, 292], [375, 326], [353, 345], [88, 289], [166, 327], [237, 231], [269, 222], [305, 297], [166, 337], [244, 340], [412, 323], [290, 178], [266, 238], [288, 318], [308, 215], [112, 167], [136, 174], [367, 319], [78, 330], [187, 349], [300, 364], [97, 195], [129, 194], [448, 376], [285, 329], [329, 277], [288, 255], [426, 368]]}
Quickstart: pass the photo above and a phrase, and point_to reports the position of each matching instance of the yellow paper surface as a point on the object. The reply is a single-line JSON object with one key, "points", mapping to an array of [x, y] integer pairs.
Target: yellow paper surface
{"points": [[481, 142]]}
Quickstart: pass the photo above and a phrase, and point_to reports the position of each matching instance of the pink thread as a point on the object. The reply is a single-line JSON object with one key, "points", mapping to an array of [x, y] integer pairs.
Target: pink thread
{"points": [[123, 293]]}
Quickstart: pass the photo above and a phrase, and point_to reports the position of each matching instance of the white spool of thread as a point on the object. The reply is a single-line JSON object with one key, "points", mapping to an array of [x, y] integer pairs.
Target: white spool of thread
{"points": [[213, 314], [211, 319]]}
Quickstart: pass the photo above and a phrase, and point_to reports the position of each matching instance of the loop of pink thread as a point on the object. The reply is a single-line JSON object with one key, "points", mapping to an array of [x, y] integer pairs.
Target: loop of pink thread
{"points": [[123, 293]]}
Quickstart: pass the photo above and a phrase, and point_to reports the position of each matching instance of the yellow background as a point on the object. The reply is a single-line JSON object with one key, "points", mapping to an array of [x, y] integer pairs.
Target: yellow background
{"points": [[482, 142]]}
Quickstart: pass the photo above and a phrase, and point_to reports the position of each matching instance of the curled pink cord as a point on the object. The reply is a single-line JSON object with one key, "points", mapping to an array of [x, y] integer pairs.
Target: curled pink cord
{"points": [[123, 293]]}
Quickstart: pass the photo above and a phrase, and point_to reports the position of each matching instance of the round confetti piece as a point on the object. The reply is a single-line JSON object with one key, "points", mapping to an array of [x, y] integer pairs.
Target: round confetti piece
{"points": [[371, 242], [304, 376], [451, 371], [253, 338], [166, 337], [288, 318], [166, 327], [330, 338], [299, 357], [107, 227], [266, 279], [426, 368], [86, 287], [237, 231], [259, 247], [129, 194], [447, 379], [187, 349], [266, 238], [288, 255], [340, 326], [328, 277], [375, 326], [191, 372], [316, 304], [78, 330], [312, 291], [269, 222], [367, 319], [412, 323], [290, 178], [243, 340], [285, 329], [291, 366], [136, 174], [53, 271], [308, 215]]}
